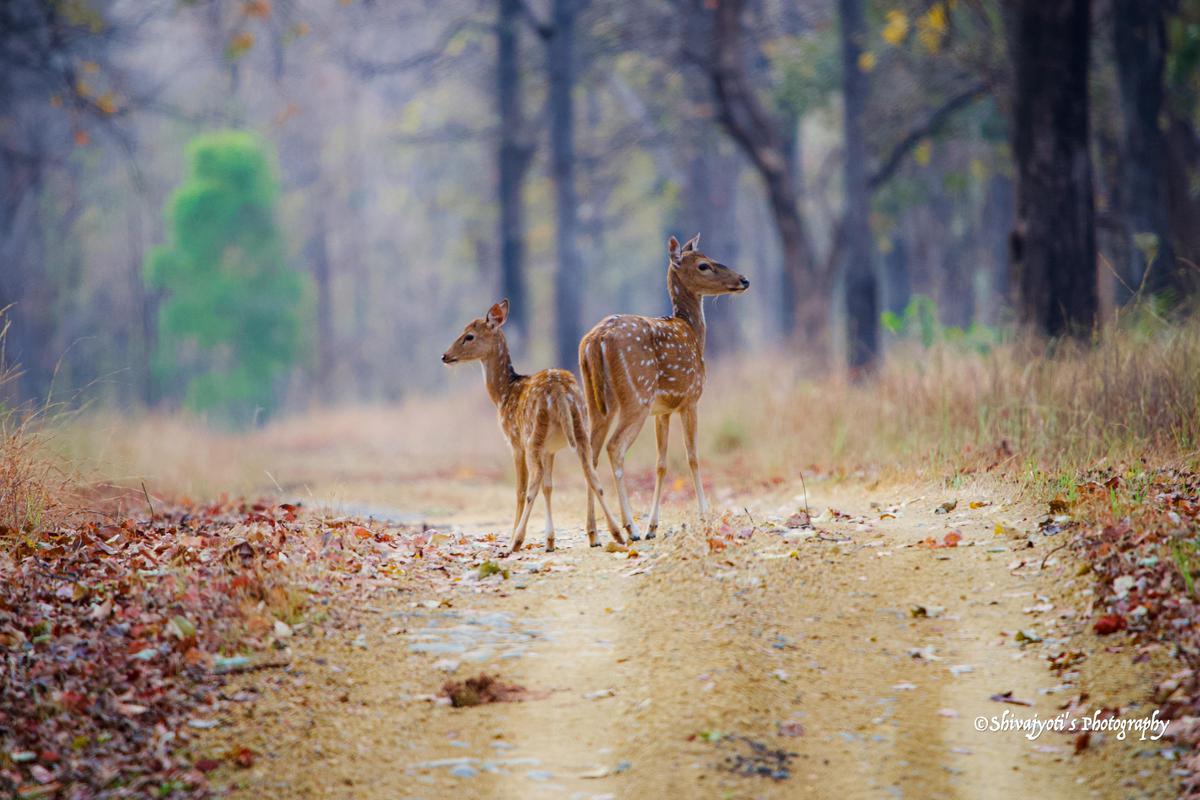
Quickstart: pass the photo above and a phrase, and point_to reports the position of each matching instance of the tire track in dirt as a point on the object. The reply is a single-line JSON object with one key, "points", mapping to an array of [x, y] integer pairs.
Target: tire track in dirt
{"points": [[767, 638]]}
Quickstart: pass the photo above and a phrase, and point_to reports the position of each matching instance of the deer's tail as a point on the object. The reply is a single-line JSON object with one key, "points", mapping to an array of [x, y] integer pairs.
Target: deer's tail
{"points": [[566, 419], [591, 367]]}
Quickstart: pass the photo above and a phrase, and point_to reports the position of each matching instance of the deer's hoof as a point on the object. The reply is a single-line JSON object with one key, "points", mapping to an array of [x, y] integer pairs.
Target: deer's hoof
{"points": [[652, 531]]}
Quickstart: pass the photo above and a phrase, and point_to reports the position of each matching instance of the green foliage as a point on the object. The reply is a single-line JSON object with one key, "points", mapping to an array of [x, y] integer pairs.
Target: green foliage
{"points": [[919, 322], [810, 74], [233, 320], [1186, 555], [1183, 57]]}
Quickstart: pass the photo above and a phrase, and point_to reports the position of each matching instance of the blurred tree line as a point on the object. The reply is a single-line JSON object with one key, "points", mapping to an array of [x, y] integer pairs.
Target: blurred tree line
{"points": [[243, 204]]}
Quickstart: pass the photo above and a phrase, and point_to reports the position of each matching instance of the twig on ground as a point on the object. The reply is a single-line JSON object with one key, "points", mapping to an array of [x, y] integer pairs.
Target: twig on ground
{"points": [[1055, 550], [805, 488], [147, 496]]}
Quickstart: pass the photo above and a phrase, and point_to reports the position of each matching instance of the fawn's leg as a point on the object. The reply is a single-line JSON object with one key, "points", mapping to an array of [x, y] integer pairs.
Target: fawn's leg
{"points": [[689, 442], [547, 490], [594, 487], [522, 482], [631, 421], [662, 426], [599, 430], [534, 465]]}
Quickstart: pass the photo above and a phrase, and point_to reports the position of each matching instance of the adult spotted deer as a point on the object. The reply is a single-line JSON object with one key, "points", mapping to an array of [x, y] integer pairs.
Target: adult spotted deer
{"points": [[634, 367], [540, 414]]}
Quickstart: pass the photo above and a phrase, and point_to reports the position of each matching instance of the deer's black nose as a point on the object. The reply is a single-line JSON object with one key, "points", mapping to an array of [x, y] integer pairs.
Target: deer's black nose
{"points": [[745, 283], [446, 359]]}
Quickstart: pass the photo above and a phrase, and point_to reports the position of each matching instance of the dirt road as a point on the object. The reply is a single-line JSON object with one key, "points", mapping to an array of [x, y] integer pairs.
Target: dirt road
{"points": [[845, 660]]}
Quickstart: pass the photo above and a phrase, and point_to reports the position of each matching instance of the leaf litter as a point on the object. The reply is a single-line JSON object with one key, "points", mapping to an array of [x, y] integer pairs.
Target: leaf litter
{"points": [[117, 634]]}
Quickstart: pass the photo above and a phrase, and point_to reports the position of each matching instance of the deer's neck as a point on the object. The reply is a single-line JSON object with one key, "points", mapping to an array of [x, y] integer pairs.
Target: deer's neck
{"points": [[498, 373], [687, 305]]}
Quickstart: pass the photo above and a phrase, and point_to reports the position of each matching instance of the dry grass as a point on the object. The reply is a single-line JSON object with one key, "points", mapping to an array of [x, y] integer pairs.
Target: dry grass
{"points": [[1022, 411], [34, 490], [1025, 410], [31, 488], [177, 455]]}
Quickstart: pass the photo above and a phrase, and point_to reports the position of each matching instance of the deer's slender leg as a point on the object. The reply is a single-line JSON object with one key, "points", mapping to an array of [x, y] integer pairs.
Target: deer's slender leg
{"points": [[534, 465], [594, 487], [547, 490], [662, 427], [631, 421], [522, 482], [599, 430], [689, 442]]}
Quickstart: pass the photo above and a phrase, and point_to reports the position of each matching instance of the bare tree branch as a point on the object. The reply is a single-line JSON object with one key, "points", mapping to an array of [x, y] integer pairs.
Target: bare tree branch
{"points": [[543, 29], [932, 124], [367, 68]]}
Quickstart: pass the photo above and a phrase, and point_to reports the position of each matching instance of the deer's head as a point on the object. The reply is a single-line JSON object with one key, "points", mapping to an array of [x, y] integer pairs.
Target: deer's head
{"points": [[700, 274], [480, 338]]}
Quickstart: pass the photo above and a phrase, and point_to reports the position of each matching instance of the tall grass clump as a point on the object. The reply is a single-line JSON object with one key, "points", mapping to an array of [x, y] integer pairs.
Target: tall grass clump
{"points": [[31, 485], [1027, 408]]}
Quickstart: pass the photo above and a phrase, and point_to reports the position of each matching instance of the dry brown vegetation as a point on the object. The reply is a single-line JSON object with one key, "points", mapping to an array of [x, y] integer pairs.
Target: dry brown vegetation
{"points": [[1023, 411]]}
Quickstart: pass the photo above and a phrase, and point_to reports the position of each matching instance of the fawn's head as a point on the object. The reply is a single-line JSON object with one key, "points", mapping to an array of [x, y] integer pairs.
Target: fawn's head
{"points": [[699, 273], [480, 338]]}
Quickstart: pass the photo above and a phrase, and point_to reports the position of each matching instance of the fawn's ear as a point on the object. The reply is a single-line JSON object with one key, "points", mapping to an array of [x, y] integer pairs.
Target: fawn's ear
{"points": [[673, 248], [692, 244], [498, 313]]}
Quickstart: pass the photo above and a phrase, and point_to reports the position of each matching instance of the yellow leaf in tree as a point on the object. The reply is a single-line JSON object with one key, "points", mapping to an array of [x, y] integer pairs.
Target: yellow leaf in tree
{"points": [[258, 8], [923, 152], [56, 100], [979, 170], [90, 67], [936, 17], [931, 27], [895, 27], [458, 42], [107, 103], [866, 61], [239, 44]]}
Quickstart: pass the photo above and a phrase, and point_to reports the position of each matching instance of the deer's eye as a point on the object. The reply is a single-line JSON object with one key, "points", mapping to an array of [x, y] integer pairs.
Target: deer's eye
{"points": [[705, 266], [468, 337]]}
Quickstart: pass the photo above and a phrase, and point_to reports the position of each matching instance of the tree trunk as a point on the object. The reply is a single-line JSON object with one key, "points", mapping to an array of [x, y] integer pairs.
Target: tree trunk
{"points": [[747, 122], [1139, 44], [317, 256], [512, 161], [568, 280], [898, 283], [995, 223], [1055, 236], [707, 204], [862, 291], [27, 295], [1183, 152]]}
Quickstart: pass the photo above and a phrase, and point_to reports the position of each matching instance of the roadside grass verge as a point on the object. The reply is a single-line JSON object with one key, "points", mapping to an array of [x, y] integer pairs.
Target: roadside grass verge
{"points": [[1027, 411]]}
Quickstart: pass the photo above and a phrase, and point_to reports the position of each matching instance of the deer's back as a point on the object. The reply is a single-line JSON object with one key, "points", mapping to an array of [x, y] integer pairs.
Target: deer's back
{"points": [[530, 414], [652, 361]]}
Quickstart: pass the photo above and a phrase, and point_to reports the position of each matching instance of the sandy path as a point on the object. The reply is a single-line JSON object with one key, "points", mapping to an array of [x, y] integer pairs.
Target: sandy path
{"points": [[657, 673]]}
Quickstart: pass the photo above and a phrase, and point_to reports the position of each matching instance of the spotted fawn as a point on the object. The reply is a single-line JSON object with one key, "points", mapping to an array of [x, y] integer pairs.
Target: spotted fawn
{"points": [[539, 414]]}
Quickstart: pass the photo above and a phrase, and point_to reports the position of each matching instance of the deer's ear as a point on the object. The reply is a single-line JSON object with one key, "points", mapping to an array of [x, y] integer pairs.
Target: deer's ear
{"points": [[498, 313], [692, 244], [673, 248]]}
